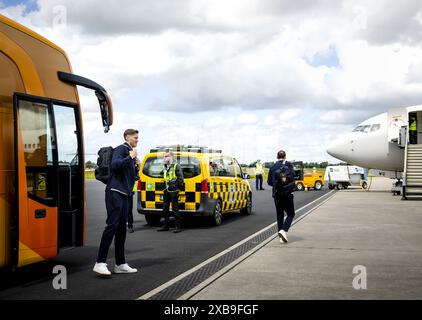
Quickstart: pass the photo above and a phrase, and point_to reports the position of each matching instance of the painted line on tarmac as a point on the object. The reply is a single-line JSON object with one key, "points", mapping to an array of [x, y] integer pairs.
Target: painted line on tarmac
{"points": [[244, 256]]}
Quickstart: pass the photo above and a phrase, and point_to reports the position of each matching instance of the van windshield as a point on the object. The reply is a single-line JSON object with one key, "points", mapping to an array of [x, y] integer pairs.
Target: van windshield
{"points": [[154, 167]]}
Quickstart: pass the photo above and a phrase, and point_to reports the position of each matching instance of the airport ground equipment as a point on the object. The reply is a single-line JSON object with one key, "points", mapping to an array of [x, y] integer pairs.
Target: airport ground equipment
{"points": [[42, 182], [213, 184], [310, 180], [343, 176]]}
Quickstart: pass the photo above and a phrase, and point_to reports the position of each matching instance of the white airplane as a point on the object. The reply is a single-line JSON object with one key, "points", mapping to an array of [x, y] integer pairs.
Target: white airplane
{"points": [[383, 143]]}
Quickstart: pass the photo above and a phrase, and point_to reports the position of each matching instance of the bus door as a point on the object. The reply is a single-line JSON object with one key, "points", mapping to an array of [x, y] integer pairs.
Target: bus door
{"points": [[49, 179], [70, 177]]}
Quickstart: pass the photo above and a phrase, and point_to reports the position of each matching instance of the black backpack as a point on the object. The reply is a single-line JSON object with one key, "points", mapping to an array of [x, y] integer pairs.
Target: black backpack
{"points": [[284, 171], [103, 170]]}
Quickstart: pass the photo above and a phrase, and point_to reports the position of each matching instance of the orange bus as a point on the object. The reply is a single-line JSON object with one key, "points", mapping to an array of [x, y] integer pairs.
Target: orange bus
{"points": [[42, 167]]}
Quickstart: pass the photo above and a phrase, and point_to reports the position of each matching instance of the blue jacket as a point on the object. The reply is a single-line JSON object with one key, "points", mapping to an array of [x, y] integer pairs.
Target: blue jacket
{"points": [[272, 179], [123, 172]]}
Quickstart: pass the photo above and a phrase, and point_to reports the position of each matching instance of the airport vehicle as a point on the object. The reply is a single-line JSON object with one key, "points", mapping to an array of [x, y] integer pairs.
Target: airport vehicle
{"points": [[310, 180], [343, 176], [42, 185], [382, 142], [213, 184]]}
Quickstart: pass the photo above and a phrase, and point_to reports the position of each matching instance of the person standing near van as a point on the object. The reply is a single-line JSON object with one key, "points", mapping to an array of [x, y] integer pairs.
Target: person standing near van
{"points": [[173, 178], [281, 178], [259, 174], [118, 194]]}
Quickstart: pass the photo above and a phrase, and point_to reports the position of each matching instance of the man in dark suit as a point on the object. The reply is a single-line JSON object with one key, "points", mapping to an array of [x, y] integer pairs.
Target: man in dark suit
{"points": [[118, 194], [281, 178]]}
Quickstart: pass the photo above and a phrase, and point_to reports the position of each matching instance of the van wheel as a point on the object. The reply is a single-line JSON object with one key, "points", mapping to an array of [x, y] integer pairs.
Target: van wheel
{"points": [[248, 209], [216, 217], [318, 185], [153, 220], [300, 186]]}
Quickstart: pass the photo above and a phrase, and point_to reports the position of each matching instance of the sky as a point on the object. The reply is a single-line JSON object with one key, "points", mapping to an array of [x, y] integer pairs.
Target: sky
{"points": [[249, 77]]}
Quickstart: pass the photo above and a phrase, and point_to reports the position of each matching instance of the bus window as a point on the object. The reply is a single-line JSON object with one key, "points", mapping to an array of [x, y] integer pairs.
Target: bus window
{"points": [[37, 130], [67, 140]]}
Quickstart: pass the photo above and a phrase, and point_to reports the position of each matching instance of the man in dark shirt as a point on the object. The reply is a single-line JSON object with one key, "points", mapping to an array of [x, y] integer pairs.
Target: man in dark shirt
{"points": [[281, 178], [118, 194]]}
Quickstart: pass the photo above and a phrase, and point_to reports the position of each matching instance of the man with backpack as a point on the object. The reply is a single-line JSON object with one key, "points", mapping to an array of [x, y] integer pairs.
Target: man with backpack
{"points": [[281, 178], [120, 181]]}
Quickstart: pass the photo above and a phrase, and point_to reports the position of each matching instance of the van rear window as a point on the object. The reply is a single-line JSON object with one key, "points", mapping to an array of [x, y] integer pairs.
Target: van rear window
{"points": [[153, 167]]}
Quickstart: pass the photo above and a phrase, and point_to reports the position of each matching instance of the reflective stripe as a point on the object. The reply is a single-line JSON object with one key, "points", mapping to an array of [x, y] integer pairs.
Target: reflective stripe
{"points": [[121, 192]]}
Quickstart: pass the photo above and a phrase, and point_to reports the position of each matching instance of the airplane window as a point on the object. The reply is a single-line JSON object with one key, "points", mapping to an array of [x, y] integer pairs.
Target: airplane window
{"points": [[375, 127], [365, 129], [358, 128]]}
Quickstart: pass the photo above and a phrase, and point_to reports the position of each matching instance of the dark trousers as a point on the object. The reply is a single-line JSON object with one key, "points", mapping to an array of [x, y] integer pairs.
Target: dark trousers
{"points": [[130, 212], [117, 210], [284, 204], [413, 137], [258, 181], [173, 198]]}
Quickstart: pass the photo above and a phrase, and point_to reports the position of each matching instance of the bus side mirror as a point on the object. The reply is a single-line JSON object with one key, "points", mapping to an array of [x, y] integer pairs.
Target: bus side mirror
{"points": [[104, 100], [106, 108]]}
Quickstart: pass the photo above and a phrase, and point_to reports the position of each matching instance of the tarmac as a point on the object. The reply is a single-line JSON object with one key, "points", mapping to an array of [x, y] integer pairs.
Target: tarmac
{"points": [[357, 245]]}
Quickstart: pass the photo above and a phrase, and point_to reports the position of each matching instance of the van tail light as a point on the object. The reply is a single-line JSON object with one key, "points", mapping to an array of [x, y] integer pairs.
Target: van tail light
{"points": [[204, 186], [139, 185]]}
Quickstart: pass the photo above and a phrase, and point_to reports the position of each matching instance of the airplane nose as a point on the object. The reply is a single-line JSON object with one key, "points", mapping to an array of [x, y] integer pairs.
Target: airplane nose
{"points": [[338, 149]]}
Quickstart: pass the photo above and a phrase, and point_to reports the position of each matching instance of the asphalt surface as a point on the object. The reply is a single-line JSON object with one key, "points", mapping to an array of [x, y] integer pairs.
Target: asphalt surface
{"points": [[159, 256]]}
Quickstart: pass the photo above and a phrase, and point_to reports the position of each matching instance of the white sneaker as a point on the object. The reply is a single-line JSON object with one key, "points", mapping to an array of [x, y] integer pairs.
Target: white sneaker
{"points": [[124, 268], [283, 236], [101, 269]]}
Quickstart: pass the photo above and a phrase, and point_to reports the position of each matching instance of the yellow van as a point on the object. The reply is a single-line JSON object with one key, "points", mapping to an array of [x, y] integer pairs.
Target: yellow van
{"points": [[213, 184]]}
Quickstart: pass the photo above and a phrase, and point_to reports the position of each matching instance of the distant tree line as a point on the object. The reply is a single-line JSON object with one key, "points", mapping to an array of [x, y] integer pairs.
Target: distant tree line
{"points": [[90, 165]]}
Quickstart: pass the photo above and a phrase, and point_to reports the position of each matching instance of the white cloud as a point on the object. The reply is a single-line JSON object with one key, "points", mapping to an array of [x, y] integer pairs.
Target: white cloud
{"points": [[249, 67]]}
